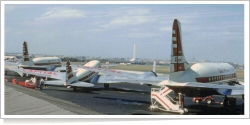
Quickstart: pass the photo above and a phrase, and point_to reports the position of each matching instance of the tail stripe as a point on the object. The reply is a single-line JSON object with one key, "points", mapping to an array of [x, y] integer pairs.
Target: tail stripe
{"points": [[177, 58], [25, 51], [69, 71]]}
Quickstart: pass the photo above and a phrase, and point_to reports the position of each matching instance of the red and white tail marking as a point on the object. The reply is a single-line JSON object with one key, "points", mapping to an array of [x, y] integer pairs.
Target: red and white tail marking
{"points": [[177, 57], [69, 72], [25, 51]]}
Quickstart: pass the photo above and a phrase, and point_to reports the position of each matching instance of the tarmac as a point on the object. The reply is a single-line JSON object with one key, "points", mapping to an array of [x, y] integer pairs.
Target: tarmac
{"points": [[23, 101], [120, 99]]}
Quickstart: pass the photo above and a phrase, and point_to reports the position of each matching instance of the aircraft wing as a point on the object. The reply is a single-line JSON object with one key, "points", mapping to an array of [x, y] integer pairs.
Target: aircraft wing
{"points": [[117, 76], [48, 68], [42, 73], [63, 68], [111, 72], [11, 63], [121, 79], [220, 87]]}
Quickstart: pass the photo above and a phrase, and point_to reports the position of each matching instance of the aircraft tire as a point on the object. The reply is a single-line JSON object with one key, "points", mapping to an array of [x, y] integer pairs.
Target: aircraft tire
{"points": [[74, 89]]}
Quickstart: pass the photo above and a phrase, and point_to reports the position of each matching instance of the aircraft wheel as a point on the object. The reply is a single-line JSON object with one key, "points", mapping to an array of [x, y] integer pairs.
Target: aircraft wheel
{"points": [[106, 85], [41, 86], [74, 89]]}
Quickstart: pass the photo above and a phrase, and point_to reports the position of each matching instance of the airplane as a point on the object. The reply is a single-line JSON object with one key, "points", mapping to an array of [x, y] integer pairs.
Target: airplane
{"points": [[81, 75], [80, 78], [200, 79], [42, 63], [10, 58]]}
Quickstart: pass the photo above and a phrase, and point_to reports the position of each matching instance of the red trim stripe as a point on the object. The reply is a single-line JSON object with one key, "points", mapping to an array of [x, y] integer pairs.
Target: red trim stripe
{"points": [[161, 100], [166, 91]]}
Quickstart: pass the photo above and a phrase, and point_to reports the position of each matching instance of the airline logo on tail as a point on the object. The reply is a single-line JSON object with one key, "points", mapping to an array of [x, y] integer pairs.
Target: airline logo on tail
{"points": [[69, 71], [25, 52], [177, 57]]}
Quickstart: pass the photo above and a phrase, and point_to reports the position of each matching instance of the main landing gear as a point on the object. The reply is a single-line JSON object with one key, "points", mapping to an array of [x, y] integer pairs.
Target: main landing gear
{"points": [[227, 100], [106, 86]]}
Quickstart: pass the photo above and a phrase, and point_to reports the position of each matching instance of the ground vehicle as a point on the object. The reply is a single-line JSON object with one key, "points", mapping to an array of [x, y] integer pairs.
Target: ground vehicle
{"points": [[207, 99]]}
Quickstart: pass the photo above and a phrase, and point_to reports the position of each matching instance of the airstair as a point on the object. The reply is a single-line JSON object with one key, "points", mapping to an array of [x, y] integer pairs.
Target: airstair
{"points": [[160, 99]]}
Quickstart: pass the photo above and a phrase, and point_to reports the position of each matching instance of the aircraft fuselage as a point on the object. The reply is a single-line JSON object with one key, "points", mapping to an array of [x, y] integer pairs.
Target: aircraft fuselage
{"points": [[207, 72], [204, 73], [83, 74]]}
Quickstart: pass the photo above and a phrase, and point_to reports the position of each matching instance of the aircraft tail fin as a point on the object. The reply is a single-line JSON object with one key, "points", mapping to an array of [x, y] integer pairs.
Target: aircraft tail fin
{"points": [[178, 62], [70, 76], [25, 52]]}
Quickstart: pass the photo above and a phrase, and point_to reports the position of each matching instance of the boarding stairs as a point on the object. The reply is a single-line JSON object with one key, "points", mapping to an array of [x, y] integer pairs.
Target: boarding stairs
{"points": [[160, 99]]}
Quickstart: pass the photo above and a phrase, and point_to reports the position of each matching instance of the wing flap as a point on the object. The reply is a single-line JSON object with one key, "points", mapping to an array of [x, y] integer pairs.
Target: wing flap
{"points": [[82, 84]]}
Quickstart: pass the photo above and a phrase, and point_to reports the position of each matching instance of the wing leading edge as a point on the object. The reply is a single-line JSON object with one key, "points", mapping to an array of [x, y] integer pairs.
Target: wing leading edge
{"points": [[117, 76]]}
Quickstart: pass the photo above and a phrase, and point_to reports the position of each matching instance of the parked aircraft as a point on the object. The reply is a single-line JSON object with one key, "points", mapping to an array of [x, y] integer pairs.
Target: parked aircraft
{"points": [[80, 78], [10, 58], [200, 79], [42, 63], [83, 75]]}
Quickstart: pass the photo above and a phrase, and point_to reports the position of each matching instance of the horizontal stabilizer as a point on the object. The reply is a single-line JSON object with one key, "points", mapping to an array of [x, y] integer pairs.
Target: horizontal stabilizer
{"points": [[55, 82], [82, 84]]}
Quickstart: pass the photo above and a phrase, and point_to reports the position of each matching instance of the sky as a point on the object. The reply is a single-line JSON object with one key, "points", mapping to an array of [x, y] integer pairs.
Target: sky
{"points": [[212, 32]]}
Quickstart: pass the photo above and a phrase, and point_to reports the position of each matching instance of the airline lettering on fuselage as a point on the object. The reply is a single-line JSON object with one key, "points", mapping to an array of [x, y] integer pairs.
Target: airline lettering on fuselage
{"points": [[53, 60], [215, 78], [40, 72], [50, 63]]}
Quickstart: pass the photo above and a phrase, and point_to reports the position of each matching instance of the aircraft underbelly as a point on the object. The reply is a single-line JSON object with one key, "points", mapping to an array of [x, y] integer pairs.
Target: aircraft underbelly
{"points": [[192, 92]]}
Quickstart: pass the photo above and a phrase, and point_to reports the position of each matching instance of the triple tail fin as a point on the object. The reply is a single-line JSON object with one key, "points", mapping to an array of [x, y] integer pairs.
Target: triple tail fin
{"points": [[70, 76], [178, 61]]}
